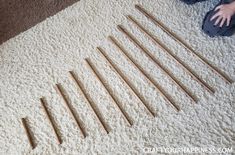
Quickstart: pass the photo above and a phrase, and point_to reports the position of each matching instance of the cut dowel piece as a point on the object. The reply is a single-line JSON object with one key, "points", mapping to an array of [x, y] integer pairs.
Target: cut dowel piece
{"points": [[51, 121], [108, 89], [184, 44], [71, 110], [127, 81], [28, 132], [90, 102], [170, 53], [163, 68]]}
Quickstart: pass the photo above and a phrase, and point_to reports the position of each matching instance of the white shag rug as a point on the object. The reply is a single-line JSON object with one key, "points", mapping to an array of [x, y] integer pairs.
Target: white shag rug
{"points": [[34, 61]]}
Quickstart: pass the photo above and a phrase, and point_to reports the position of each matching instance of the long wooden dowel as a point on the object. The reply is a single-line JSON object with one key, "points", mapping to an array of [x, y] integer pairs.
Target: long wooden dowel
{"points": [[127, 81], [50, 119], [170, 53], [60, 90], [108, 89], [184, 44], [163, 68], [28, 133], [90, 102]]}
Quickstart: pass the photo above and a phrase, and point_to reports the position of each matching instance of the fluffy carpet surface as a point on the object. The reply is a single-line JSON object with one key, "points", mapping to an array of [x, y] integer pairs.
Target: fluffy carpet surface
{"points": [[34, 61]]}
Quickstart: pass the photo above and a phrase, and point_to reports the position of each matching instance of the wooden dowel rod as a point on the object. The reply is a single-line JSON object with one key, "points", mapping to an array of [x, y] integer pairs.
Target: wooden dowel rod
{"points": [[170, 53], [163, 68], [108, 89], [50, 119], [60, 91], [90, 102], [184, 44], [127, 81], [28, 133]]}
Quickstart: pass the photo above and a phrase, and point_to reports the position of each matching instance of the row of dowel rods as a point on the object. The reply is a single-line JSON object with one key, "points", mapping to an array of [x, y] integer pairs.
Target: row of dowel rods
{"points": [[183, 43], [50, 120], [61, 92], [170, 53], [115, 100], [164, 69], [127, 81], [109, 91], [71, 110], [157, 86]]}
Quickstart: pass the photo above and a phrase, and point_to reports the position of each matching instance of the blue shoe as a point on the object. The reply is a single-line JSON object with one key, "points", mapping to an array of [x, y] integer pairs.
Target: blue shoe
{"points": [[191, 1], [215, 30]]}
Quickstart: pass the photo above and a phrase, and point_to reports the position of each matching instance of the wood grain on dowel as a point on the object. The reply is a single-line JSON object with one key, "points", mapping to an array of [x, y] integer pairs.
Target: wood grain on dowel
{"points": [[184, 44], [50, 119], [109, 90], [170, 53], [28, 133], [60, 91], [165, 95], [90, 102], [163, 68], [127, 81]]}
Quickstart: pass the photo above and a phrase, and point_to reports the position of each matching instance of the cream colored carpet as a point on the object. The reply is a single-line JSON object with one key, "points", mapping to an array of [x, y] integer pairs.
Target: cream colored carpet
{"points": [[34, 61]]}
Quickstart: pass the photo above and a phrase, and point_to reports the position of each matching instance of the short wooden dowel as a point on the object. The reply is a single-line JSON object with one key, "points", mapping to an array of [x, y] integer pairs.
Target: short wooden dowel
{"points": [[60, 91], [184, 44], [127, 81], [90, 102], [28, 133], [50, 119], [108, 89]]}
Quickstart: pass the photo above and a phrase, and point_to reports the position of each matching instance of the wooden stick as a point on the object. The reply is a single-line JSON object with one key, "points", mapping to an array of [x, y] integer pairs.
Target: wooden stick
{"points": [[170, 53], [184, 44], [164, 69], [28, 133], [108, 89], [60, 90], [50, 119], [127, 81], [90, 102]]}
